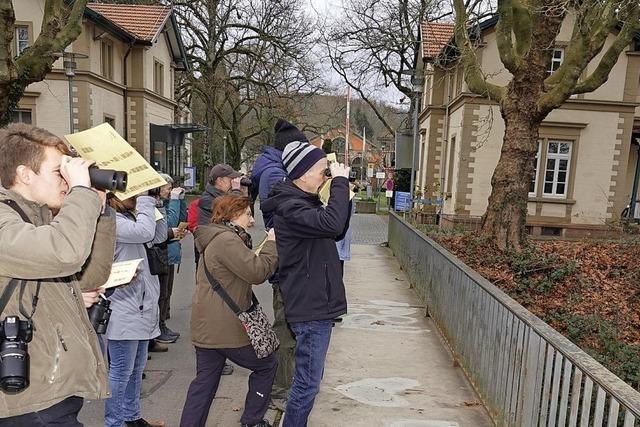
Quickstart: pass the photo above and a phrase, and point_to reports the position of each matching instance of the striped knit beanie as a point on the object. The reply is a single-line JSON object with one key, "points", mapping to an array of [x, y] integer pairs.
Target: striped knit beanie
{"points": [[298, 157]]}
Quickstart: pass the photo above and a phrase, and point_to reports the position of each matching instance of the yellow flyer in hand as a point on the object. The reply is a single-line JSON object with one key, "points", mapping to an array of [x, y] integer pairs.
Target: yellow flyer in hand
{"points": [[110, 151], [325, 192], [122, 272]]}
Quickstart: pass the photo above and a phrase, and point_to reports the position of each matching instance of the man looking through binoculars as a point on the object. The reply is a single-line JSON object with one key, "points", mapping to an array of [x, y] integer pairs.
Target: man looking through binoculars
{"points": [[56, 241]]}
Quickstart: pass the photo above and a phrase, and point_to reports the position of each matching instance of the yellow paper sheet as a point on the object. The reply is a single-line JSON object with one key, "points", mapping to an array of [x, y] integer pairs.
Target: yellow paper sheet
{"points": [[260, 246], [122, 272], [331, 157], [183, 226], [325, 192], [110, 151]]}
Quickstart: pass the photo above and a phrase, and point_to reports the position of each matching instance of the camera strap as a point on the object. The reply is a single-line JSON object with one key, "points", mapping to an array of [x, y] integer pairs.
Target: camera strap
{"points": [[11, 287]]}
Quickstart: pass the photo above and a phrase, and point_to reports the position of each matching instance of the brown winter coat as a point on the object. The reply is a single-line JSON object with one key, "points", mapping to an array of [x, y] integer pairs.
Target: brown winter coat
{"points": [[237, 268], [68, 253]]}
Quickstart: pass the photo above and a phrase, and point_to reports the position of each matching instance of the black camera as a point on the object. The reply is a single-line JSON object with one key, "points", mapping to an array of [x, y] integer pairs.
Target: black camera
{"points": [[327, 172], [246, 182], [107, 179], [99, 314], [14, 356]]}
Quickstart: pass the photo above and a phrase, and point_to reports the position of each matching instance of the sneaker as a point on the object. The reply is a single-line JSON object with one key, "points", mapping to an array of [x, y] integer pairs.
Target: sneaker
{"points": [[157, 347], [263, 423], [227, 370], [165, 338], [170, 332]]}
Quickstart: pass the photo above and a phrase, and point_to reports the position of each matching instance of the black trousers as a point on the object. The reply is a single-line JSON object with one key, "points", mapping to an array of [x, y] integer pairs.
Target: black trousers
{"points": [[209, 364], [63, 414], [166, 289]]}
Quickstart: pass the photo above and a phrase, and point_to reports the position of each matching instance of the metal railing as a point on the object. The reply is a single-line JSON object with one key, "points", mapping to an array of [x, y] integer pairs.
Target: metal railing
{"points": [[525, 372]]}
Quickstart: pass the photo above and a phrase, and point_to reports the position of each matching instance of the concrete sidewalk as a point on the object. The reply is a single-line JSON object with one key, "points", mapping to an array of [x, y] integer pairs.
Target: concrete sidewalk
{"points": [[386, 364]]}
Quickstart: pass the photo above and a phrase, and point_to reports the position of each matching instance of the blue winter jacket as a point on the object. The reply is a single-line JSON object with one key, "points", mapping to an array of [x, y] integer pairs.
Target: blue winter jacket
{"points": [[176, 213], [267, 171]]}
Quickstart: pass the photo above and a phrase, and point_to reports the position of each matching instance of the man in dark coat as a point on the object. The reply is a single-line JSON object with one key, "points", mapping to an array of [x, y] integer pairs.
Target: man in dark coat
{"points": [[309, 266], [223, 179], [267, 172]]}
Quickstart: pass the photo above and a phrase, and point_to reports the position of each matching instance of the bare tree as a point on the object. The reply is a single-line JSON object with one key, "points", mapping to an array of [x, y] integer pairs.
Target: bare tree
{"points": [[61, 25], [373, 45], [526, 33], [251, 59]]}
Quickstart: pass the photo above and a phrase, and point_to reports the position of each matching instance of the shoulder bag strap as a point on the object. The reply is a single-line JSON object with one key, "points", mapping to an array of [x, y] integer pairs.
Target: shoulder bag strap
{"points": [[8, 291], [217, 287], [14, 205], [13, 284]]}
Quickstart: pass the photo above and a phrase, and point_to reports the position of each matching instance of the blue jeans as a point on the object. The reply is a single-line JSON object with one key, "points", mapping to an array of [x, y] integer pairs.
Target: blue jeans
{"points": [[127, 360], [312, 343]]}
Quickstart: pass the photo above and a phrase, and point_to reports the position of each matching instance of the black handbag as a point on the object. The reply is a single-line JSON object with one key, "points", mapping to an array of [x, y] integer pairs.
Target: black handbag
{"points": [[255, 322], [158, 258]]}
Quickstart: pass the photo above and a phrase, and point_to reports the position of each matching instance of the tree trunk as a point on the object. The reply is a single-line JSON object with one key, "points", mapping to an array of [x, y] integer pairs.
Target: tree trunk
{"points": [[504, 221]]}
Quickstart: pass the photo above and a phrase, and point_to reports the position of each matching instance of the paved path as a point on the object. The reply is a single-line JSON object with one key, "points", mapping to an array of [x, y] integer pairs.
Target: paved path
{"points": [[369, 229], [386, 364]]}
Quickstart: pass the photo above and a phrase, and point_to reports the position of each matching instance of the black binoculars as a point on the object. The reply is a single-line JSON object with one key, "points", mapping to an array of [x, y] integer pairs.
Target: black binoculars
{"points": [[99, 315], [107, 179]]}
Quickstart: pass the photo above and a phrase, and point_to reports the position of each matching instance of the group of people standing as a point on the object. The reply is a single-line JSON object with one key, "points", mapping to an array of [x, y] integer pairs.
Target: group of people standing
{"points": [[59, 237], [300, 259]]}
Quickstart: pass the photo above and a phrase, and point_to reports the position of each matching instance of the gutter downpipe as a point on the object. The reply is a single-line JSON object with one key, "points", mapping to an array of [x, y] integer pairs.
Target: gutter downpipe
{"points": [[125, 94], [445, 143], [636, 179]]}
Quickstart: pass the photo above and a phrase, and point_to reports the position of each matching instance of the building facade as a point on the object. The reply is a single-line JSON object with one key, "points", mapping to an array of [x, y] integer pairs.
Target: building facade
{"points": [[126, 60], [588, 147]]}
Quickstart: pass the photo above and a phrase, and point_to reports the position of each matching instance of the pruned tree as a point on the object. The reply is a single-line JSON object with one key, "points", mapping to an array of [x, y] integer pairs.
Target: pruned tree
{"points": [[372, 45], [526, 33], [61, 25], [252, 61]]}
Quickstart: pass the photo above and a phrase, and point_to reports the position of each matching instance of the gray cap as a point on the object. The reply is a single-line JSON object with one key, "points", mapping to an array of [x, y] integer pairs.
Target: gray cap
{"points": [[221, 170]]}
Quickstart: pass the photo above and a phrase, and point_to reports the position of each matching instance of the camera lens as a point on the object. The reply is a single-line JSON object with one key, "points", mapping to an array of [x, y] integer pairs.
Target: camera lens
{"points": [[245, 181], [14, 366], [327, 172]]}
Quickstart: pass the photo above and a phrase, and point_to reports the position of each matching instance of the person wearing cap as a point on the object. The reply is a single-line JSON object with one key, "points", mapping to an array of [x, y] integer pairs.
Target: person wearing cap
{"points": [[268, 170], [308, 262], [223, 179]]}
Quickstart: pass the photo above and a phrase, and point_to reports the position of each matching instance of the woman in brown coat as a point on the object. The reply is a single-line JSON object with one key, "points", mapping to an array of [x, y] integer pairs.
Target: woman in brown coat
{"points": [[216, 331]]}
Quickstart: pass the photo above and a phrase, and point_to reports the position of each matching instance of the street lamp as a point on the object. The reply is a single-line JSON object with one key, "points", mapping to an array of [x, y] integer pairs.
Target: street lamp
{"points": [[417, 85], [69, 64]]}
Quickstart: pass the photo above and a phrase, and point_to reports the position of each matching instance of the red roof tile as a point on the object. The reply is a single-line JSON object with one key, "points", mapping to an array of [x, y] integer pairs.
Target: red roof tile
{"points": [[142, 21], [435, 36]]}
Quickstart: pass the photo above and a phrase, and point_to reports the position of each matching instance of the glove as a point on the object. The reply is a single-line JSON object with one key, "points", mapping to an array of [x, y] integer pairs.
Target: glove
{"points": [[177, 193]]}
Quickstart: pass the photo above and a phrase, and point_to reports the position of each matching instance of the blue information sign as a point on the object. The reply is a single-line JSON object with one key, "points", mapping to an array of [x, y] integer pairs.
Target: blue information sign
{"points": [[403, 201]]}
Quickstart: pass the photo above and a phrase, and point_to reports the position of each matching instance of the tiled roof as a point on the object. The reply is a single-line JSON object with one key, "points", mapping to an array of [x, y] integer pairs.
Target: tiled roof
{"points": [[435, 36], [144, 22]]}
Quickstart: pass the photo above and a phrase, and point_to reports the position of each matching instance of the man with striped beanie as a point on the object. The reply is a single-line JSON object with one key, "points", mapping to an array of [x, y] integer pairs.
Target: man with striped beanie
{"points": [[309, 266]]}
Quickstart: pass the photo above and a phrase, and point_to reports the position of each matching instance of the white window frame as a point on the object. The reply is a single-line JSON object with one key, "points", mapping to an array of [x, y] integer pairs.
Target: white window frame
{"points": [[18, 41], [556, 61], [537, 171], [19, 112], [556, 169]]}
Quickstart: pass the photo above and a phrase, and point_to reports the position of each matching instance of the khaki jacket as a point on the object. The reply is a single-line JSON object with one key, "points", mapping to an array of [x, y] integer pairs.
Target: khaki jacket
{"points": [[67, 253], [237, 268]]}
